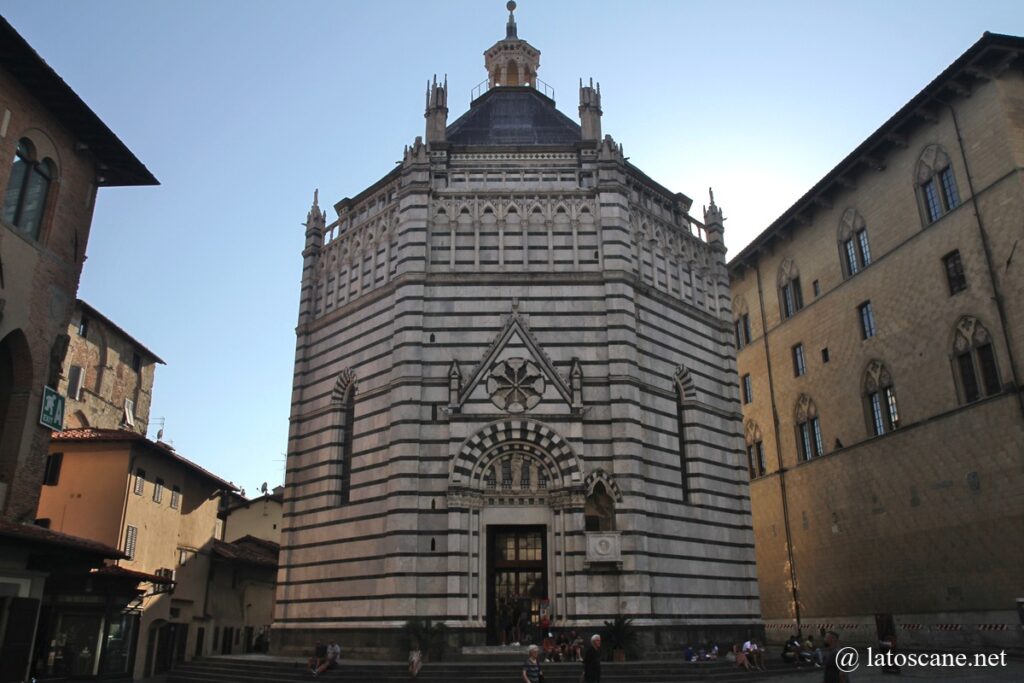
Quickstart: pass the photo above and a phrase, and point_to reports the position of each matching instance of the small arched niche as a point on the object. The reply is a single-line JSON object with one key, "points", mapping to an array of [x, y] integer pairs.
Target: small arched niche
{"points": [[599, 510]]}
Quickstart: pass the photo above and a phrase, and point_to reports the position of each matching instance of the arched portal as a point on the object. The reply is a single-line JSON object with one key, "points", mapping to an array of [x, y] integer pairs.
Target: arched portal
{"points": [[515, 488], [15, 392]]}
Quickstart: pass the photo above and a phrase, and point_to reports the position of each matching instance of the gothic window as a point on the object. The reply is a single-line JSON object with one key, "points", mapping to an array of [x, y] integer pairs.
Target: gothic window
{"points": [[791, 298], [27, 190], [854, 248], [936, 182], [524, 475], [954, 267], [755, 450], [599, 509], [491, 480], [506, 474], [809, 442], [975, 360], [880, 406]]}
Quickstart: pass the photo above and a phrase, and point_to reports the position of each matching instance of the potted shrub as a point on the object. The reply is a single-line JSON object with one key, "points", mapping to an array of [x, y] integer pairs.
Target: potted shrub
{"points": [[431, 638], [621, 638]]}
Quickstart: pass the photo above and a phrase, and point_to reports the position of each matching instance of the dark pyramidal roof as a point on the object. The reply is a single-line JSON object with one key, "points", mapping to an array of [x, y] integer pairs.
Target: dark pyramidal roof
{"points": [[513, 116]]}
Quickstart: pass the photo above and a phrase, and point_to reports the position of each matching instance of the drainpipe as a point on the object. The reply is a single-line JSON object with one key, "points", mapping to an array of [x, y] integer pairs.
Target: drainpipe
{"points": [[997, 295], [778, 452]]}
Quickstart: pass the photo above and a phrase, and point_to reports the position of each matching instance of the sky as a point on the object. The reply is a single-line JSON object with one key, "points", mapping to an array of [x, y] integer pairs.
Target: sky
{"points": [[242, 108]]}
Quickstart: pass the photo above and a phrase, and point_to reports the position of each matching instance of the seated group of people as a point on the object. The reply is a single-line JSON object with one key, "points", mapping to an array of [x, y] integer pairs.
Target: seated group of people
{"points": [[567, 647], [749, 656], [705, 653], [806, 652], [324, 657]]}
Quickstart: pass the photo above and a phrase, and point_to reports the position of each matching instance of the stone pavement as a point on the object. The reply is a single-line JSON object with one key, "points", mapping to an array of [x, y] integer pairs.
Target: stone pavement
{"points": [[1013, 671]]}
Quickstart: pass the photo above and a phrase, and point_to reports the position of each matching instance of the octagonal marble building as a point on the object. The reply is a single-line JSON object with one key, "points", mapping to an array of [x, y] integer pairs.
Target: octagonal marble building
{"points": [[515, 397]]}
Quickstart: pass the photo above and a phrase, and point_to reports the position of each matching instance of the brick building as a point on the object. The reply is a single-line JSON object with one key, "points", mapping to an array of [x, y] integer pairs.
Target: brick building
{"points": [[880, 326], [107, 374], [56, 154], [515, 392]]}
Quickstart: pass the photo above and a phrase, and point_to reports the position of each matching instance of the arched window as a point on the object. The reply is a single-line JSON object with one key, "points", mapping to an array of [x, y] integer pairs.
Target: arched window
{"points": [[791, 297], [974, 359], [880, 399], [685, 391], [755, 450], [343, 403], [27, 190], [854, 249], [599, 509], [936, 183], [808, 429]]}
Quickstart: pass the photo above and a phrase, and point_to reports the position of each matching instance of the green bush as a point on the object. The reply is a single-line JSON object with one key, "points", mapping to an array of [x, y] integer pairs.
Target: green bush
{"points": [[431, 638], [620, 634]]}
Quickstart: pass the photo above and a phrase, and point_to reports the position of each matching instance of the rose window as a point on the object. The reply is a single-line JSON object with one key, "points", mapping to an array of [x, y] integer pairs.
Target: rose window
{"points": [[515, 385]]}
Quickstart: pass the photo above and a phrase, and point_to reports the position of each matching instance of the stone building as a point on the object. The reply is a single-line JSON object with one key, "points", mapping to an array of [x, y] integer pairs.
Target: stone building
{"points": [[515, 391], [880, 322], [107, 375], [56, 154]]}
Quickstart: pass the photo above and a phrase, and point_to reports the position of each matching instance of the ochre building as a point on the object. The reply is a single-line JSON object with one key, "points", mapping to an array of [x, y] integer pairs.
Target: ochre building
{"points": [[880, 326], [515, 392]]}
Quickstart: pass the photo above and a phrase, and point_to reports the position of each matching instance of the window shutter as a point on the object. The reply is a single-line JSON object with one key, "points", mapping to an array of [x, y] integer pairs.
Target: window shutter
{"points": [[131, 535], [75, 383]]}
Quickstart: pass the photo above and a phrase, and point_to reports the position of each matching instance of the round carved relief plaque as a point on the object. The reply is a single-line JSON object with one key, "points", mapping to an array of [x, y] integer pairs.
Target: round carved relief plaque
{"points": [[603, 546], [515, 385]]}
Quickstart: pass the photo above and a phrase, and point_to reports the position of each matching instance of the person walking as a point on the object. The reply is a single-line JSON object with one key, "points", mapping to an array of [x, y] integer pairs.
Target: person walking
{"points": [[592, 661], [531, 668], [833, 674]]}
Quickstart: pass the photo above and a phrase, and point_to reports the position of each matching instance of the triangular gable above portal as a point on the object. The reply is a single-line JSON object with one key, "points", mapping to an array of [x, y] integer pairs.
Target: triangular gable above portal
{"points": [[516, 334]]}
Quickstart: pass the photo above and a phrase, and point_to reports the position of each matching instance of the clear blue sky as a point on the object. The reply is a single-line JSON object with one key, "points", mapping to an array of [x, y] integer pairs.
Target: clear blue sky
{"points": [[241, 109]]}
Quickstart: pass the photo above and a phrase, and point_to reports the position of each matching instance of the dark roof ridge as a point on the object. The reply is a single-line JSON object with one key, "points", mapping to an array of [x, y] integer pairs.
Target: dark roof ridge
{"points": [[96, 312], [26, 66]]}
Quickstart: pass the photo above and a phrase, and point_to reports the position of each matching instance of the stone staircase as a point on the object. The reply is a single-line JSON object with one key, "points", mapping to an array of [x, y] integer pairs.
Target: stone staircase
{"points": [[264, 669]]}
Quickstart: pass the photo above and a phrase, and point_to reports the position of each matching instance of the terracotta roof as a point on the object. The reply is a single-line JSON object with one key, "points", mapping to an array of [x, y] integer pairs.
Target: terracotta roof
{"points": [[118, 166], [120, 330], [248, 550], [246, 502], [32, 533], [118, 571], [992, 52], [159, 447]]}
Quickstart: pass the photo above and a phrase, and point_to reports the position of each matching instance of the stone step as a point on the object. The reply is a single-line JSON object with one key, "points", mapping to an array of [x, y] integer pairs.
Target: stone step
{"points": [[267, 670]]}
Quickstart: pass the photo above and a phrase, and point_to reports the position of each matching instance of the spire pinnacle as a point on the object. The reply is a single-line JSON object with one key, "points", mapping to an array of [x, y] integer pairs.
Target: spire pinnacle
{"points": [[510, 28]]}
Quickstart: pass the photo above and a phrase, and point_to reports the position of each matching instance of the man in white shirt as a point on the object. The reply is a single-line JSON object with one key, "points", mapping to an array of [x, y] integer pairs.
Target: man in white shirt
{"points": [[754, 654]]}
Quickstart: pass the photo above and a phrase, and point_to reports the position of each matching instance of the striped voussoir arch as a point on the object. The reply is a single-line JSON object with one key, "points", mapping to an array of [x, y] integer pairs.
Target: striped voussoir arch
{"points": [[599, 475], [535, 438]]}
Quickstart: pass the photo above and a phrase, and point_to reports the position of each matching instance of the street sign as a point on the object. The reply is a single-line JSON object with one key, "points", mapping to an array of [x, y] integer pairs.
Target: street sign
{"points": [[52, 413]]}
